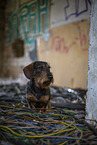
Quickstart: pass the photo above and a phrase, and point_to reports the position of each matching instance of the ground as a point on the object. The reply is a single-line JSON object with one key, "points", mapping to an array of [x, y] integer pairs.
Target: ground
{"points": [[64, 124]]}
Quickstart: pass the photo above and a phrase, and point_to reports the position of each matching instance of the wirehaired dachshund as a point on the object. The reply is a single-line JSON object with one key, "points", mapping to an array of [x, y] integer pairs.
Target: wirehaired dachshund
{"points": [[38, 91]]}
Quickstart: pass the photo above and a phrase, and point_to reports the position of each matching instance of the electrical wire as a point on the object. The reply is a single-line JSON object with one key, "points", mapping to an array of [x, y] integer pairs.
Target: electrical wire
{"points": [[55, 126]]}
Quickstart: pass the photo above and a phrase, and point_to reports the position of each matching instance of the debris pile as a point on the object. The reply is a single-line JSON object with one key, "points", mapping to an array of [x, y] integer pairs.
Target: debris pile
{"points": [[60, 125]]}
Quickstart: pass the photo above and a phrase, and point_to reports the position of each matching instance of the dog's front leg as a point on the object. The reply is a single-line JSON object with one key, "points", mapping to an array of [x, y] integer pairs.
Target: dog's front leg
{"points": [[31, 99]]}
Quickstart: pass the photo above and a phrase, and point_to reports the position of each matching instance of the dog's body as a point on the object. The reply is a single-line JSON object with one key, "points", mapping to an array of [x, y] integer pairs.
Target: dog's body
{"points": [[38, 92]]}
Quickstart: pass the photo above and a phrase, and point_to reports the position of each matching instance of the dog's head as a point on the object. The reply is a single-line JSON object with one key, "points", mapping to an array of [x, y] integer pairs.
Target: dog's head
{"points": [[40, 72]]}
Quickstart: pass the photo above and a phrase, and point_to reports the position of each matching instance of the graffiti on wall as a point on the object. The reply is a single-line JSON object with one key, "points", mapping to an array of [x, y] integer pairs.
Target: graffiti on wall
{"points": [[80, 40], [30, 20], [83, 38], [59, 44], [77, 9]]}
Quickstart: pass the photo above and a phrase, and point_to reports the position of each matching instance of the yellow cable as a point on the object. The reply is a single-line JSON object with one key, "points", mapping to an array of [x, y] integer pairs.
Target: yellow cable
{"points": [[38, 136], [6, 106]]}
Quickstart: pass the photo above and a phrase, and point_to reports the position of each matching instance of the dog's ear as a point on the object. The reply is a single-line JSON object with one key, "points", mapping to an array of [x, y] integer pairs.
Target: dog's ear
{"points": [[28, 71]]}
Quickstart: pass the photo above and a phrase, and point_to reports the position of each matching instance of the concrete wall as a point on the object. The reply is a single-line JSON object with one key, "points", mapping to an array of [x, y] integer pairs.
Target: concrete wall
{"points": [[51, 30], [91, 101]]}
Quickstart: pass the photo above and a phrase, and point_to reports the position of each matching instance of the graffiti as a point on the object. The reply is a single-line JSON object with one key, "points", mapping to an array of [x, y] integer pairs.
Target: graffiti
{"points": [[24, 20], [83, 38], [76, 8], [79, 40], [12, 28], [59, 44]]}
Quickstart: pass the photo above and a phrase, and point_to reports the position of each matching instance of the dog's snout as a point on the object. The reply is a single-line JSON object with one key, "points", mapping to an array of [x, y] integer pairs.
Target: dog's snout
{"points": [[50, 77]]}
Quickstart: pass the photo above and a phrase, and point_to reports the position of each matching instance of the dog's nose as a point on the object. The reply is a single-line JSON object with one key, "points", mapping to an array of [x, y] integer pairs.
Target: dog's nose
{"points": [[50, 77]]}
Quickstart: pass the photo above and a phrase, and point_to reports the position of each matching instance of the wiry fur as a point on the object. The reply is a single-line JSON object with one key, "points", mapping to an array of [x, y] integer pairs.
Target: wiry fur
{"points": [[38, 92]]}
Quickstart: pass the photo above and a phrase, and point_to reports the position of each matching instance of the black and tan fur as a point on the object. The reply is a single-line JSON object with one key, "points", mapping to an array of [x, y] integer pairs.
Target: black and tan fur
{"points": [[38, 92]]}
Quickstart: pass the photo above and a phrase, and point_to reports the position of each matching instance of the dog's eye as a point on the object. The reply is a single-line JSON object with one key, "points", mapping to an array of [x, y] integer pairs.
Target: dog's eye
{"points": [[40, 67]]}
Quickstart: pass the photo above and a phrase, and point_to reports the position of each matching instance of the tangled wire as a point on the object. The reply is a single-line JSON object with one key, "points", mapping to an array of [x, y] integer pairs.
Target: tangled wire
{"points": [[58, 126]]}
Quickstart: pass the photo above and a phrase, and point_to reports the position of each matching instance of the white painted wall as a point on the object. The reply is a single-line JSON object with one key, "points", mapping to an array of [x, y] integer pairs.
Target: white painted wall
{"points": [[68, 11]]}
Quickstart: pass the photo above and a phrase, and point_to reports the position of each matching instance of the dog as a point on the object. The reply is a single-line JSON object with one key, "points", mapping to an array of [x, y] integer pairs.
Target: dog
{"points": [[38, 91]]}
